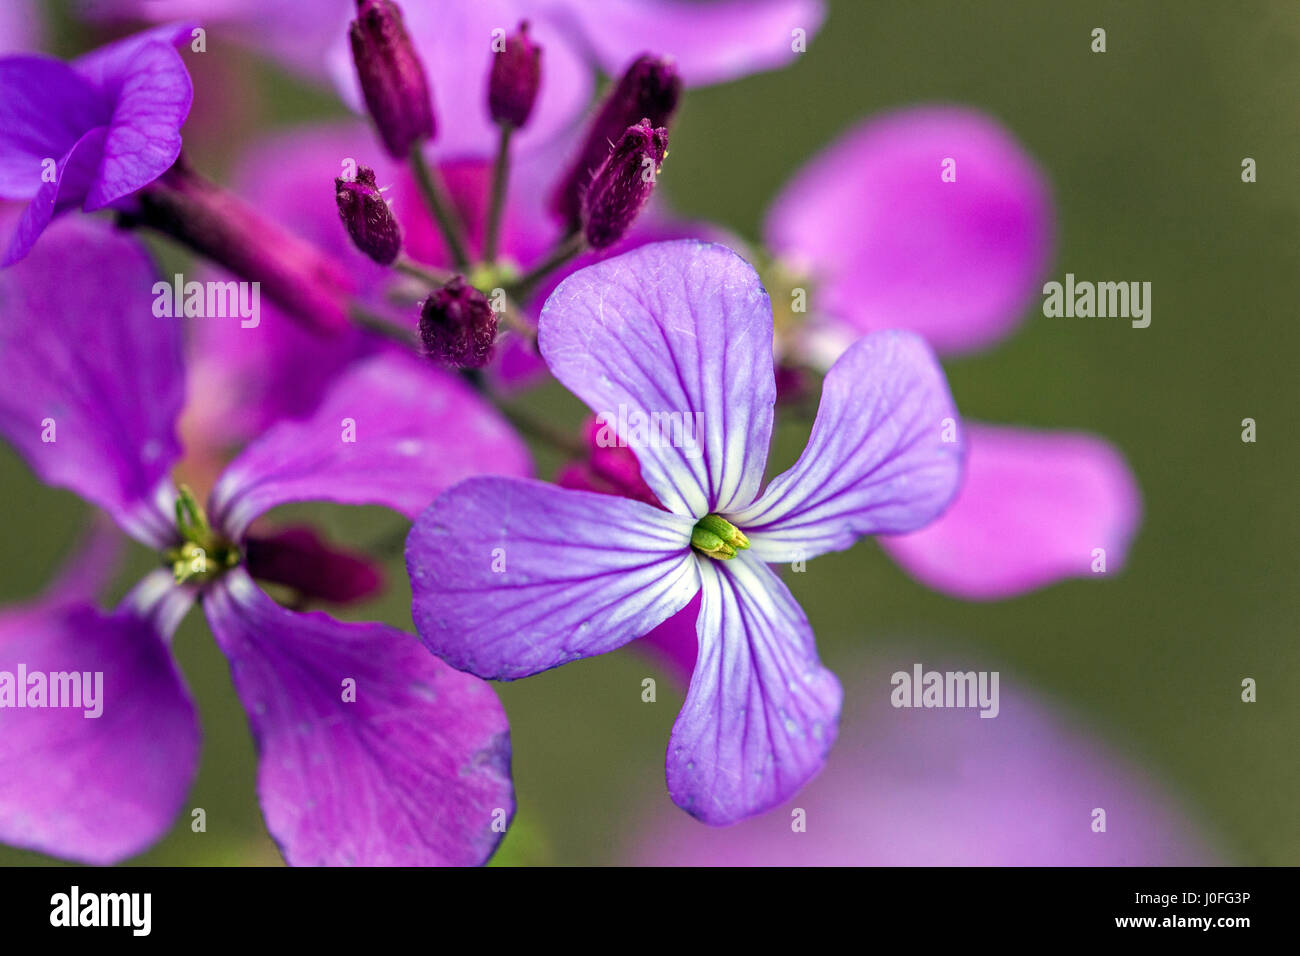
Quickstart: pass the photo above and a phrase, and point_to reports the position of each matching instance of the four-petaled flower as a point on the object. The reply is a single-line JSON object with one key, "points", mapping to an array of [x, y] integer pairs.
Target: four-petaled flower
{"points": [[406, 764], [511, 576]]}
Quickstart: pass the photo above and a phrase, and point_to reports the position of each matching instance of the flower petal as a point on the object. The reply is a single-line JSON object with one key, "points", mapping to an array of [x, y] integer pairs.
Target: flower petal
{"points": [[512, 577], [144, 136], [884, 455], [45, 107], [407, 765], [75, 174], [712, 42], [890, 244], [677, 334], [761, 712], [96, 789], [392, 431], [1032, 508], [93, 381]]}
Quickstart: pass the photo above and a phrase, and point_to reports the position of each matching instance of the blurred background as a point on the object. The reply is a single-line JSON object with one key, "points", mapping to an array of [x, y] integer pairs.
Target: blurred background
{"points": [[1143, 148]]}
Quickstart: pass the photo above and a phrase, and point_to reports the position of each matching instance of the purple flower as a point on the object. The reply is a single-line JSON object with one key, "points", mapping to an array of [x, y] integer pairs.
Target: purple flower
{"points": [[372, 751], [943, 787], [511, 577], [936, 220], [90, 132]]}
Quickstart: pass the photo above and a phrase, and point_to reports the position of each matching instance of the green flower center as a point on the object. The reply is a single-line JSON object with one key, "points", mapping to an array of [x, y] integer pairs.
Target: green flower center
{"points": [[203, 554], [716, 537]]}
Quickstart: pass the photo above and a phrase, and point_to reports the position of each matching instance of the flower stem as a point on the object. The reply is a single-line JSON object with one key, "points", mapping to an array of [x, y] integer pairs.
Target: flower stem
{"points": [[434, 191], [526, 423], [435, 278], [571, 246], [374, 322], [497, 198]]}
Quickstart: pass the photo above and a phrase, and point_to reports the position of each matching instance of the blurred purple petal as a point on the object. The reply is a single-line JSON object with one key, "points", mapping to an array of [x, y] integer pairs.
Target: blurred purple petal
{"points": [[21, 26], [373, 752], [889, 244], [944, 787], [95, 789], [885, 455], [680, 329], [1031, 510], [511, 577], [77, 169], [393, 430], [93, 380], [45, 107], [761, 713], [712, 42], [243, 380]]}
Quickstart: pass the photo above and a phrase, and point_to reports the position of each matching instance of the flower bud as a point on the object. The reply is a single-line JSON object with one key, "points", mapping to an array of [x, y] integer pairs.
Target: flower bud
{"points": [[623, 184], [516, 74], [457, 325], [392, 76], [368, 218], [651, 88]]}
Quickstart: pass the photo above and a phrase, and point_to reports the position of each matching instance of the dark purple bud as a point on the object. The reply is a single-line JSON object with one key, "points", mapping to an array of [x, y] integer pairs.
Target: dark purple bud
{"points": [[457, 325], [392, 76], [368, 217], [298, 558], [623, 184], [516, 74], [651, 89]]}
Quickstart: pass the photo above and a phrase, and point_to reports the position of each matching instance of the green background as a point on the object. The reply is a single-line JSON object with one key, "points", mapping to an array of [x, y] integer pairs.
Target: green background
{"points": [[1143, 145]]}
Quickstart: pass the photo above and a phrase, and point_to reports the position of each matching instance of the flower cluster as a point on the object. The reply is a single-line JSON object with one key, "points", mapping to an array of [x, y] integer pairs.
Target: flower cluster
{"points": [[495, 238]]}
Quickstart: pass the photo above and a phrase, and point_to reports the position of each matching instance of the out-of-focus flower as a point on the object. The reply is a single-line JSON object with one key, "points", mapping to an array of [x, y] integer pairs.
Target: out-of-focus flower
{"points": [[936, 220], [943, 787], [513, 577], [92, 386], [21, 28], [91, 132]]}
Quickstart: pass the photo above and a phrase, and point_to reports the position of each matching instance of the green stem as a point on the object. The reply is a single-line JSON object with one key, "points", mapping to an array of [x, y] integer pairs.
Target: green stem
{"points": [[434, 191], [380, 325], [571, 246], [497, 198], [434, 278]]}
